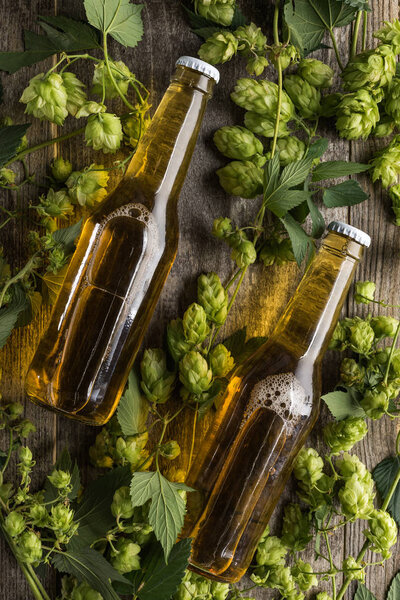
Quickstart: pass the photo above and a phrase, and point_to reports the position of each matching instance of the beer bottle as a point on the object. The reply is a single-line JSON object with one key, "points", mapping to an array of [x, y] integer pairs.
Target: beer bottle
{"points": [[270, 406], [123, 257]]}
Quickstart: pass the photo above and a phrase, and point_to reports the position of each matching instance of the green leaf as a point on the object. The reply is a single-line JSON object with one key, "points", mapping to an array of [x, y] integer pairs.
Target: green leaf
{"points": [[159, 579], [337, 168], [318, 223], [343, 405], [280, 203], [133, 408], [318, 148], [358, 4], [251, 346], [10, 140], [271, 175], [308, 20], [9, 314], [91, 567], [347, 193], [301, 242], [94, 511], [384, 475], [236, 343], [394, 590], [363, 593], [295, 172], [118, 18], [64, 462], [167, 509], [67, 236]]}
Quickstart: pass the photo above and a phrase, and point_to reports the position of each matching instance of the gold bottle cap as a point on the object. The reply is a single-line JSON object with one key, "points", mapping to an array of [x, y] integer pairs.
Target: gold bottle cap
{"points": [[352, 232], [199, 65]]}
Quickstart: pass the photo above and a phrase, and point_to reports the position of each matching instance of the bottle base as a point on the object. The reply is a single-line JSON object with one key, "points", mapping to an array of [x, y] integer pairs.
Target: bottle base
{"points": [[229, 576]]}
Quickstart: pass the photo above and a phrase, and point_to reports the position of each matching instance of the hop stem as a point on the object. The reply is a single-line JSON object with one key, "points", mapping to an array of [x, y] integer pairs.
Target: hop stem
{"points": [[356, 30]]}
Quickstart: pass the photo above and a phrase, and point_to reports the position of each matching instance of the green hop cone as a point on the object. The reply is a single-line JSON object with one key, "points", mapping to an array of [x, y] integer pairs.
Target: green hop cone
{"points": [[304, 96], [222, 227], [61, 169], [121, 506], [25, 456], [353, 570], [29, 548], [212, 297], [256, 65], [329, 104], [392, 101], [386, 163], [262, 97], [263, 125], [220, 47], [370, 69], [237, 142], [356, 499], [384, 326], [271, 552], [241, 178], [14, 524], [7, 176], [221, 360], [54, 205], [195, 325], [157, 382], [61, 519], [295, 528], [342, 435], [75, 92], [219, 12], [364, 292], [282, 580], [381, 532], [104, 132], [316, 73], [323, 596], [125, 556], [350, 464], [384, 127], [339, 337], [59, 479], [304, 576], [286, 53], [194, 373], [394, 194], [375, 402], [361, 337], [90, 108], [88, 187], [357, 115], [351, 372], [121, 75], [390, 34], [219, 591], [277, 252], [244, 254], [39, 515], [290, 149], [251, 40], [84, 592], [308, 467], [177, 344], [170, 450], [131, 450], [46, 98]]}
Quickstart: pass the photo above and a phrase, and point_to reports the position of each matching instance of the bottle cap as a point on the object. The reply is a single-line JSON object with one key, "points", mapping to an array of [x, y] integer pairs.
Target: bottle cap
{"points": [[199, 65], [352, 232]]}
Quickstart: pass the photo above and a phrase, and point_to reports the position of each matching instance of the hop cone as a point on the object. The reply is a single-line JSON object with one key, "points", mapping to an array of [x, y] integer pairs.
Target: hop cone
{"points": [[256, 65], [194, 373], [75, 92], [61, 169], [390, 34], [104, 132], [46, 98], [219, 12], [375, 402], [263, 125], [220, 47], [195, 324], [356, 498], [157, 382], [386, 163], [177, 343], [358, 114], [290, 149], [384, 128], [221, 360], [120, 73], [237, 142], [286, 53], [370, 69], [276, 251], [222, 228], [316, 73], [329, 104], [241, 178], [394, 194], [304, 96], [212, 297], [382, 532], [251, 40], [261, 97], [342, 435], [392, 103], [87, 187], [244, 253]]}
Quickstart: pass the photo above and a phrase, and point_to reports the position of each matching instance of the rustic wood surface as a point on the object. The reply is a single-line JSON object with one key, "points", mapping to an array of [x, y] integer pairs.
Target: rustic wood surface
{"points": [[264, 293]]}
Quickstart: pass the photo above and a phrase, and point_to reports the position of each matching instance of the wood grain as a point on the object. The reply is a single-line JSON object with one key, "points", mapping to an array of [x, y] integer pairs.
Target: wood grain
{"points": [[265, 291]]}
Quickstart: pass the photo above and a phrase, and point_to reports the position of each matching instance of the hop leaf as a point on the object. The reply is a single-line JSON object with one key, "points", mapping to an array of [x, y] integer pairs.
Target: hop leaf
{"points": [[304, 96], [104, 132], [75, 92], [46, 98], [220, 47]]}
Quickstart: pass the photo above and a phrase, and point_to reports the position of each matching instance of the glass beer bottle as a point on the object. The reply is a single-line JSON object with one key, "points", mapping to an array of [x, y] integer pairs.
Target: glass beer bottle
{"points": [[123, 257], [270, 406]]}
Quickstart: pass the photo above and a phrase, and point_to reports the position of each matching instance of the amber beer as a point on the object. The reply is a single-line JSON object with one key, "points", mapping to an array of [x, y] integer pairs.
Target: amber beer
{"points": [[124, 255], [269, 408]]}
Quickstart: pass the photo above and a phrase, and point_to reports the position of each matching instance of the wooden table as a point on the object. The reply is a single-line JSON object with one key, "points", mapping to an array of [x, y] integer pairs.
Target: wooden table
{"points": [[265, 291]]}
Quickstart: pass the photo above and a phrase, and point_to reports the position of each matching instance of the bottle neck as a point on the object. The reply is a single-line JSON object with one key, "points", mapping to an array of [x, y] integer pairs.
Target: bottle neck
{"points": [[162, 158], [308, 322]]}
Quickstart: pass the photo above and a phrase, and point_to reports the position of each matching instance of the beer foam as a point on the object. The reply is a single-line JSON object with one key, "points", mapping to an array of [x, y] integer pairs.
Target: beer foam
{"points": [[283, 394]]}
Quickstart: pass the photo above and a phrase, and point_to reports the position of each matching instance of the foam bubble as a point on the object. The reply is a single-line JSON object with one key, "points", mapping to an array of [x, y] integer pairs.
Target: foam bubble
{"points": [[283, 394]]}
